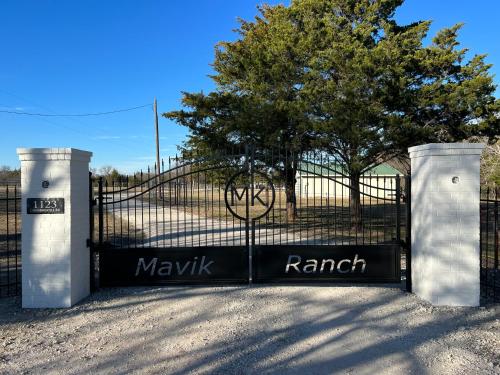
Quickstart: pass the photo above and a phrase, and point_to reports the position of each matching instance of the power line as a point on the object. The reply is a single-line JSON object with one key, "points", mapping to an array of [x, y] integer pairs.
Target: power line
{"points": [[74, 115], [123, 142]]}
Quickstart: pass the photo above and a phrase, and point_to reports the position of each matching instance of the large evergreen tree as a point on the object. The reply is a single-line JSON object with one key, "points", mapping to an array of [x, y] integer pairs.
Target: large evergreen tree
{"points": [[344, 77], [259, 97], [375, 90]]}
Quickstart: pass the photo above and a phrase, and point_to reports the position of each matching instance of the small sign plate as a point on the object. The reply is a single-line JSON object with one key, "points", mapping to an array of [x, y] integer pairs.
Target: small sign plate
{"points": [[45, 205]]}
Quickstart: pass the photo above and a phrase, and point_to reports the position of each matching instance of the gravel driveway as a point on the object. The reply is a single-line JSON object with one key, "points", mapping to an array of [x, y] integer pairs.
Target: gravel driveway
{"points": [[250, 330]]}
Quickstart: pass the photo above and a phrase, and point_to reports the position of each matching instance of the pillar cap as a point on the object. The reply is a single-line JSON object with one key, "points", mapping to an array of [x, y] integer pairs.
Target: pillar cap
{"points": [[64, 153], [436, 149]]}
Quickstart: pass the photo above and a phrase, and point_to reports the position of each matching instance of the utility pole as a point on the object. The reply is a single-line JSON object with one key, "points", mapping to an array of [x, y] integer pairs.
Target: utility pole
{"points": [[157, 171]]}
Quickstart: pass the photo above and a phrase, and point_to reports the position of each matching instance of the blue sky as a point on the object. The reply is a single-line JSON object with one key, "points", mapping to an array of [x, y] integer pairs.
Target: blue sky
{"points": [[91, 56]]}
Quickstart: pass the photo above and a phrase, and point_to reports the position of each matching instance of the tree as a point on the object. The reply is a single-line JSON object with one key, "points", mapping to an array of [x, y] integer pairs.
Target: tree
{"points": [[111, 175], [490, 165], [105, 170], [7, 173], [342, 76], [376, 90], [258, 101]]}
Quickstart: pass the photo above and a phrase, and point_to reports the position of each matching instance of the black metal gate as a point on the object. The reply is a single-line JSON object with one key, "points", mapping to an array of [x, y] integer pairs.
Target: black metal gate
{"points": [[490, 244], [10, 238], [249, 216]]}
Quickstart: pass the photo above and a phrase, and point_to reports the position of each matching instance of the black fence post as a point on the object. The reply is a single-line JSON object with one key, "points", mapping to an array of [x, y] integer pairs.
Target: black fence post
{"points": [[495, 229], [408, 233], [398, 209], [91, 234], [101, 213], [249, 172]]}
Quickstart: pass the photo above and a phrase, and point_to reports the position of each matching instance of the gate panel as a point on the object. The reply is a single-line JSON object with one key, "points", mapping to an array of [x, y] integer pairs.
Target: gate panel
{"points": [[323, 213], [170, 228], [258, 204], [158, 266], [341, 263]]}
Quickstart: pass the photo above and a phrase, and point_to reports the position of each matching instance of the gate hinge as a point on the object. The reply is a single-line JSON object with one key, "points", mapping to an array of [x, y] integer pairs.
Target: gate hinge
{"points": [[88, 242]]}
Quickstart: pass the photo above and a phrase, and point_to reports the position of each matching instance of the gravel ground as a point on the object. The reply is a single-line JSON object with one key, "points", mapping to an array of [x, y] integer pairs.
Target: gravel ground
{"points": [[250, 330]]}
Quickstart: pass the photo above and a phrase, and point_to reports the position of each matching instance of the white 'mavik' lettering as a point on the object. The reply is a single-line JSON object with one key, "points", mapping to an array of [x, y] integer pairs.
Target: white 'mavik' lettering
{"points": [[204, 267], [166, 268], [180, 270], [151, 264]]}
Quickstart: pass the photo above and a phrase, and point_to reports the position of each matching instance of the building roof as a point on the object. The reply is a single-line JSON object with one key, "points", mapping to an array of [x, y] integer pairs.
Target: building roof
{"points": [[334, 169]]}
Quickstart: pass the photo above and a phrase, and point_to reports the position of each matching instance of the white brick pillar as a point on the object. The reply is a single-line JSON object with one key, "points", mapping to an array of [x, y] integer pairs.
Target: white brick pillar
{"points": [[445, 222], [55, 257]]}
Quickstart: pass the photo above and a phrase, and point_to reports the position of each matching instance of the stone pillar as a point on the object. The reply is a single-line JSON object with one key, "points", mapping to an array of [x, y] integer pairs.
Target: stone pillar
{"points": [[445, 222], [55, 256]]}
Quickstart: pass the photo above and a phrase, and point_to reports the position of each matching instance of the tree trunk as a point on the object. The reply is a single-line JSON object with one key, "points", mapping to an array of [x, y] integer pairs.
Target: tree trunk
{"points": [[355, 201], [291, 199]]}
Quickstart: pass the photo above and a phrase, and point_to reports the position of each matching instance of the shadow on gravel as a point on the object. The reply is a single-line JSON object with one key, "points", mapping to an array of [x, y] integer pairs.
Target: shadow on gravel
{"points": [[265, 329]]}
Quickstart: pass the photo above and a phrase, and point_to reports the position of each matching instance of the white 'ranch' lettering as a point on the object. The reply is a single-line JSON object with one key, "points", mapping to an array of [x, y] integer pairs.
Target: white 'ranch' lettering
{"points": [[294, 265], [357, 261], [324, 262], [311, 266], [339, 265]]}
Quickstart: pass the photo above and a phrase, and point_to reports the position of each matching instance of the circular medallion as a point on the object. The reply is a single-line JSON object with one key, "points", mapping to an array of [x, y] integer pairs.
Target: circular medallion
{"points": [[249, 195]]}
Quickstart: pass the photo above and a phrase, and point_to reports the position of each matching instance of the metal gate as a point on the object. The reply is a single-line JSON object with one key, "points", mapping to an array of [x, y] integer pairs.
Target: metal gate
{"points": [[490, 244], [249, 216]]}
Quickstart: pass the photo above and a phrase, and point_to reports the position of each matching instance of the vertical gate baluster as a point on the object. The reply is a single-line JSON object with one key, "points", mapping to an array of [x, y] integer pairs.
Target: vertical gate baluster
{"points": [[91, 233], [101, 212], [495, 229]]}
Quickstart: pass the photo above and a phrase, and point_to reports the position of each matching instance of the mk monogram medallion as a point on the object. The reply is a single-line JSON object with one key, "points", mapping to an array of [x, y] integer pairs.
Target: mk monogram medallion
{"points": [[249, 196]]}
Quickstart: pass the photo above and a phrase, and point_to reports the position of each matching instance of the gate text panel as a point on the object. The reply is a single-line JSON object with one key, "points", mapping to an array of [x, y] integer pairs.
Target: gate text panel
{"points": [[353, 263], [157, 266]]}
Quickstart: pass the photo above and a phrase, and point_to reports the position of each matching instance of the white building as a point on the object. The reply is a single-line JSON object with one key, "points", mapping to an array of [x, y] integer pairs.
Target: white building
{"points": [[331, 181]]}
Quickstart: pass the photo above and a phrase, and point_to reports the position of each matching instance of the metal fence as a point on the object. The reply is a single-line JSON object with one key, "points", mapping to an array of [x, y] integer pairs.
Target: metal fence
{"points": [[247, 201], [489, 239], [186, 206], [10, 240]]}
